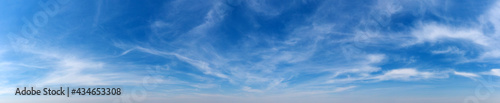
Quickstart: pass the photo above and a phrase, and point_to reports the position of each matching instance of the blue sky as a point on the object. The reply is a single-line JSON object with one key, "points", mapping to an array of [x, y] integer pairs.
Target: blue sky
{"points": [[244, 51]]}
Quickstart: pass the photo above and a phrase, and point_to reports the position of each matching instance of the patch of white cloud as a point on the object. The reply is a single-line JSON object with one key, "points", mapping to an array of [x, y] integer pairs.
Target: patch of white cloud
{"points": [[495, 72], [433, 32], [491, 16], [401, 74], [384, 9], [358, 71], [126, 52], [69, 71], [388, 7], [214, 15], [375, 58], [475, 34], [249, 89], [449, 50], [465, 74], [366, 65], [492, 54], [201, 65], [64, 68], [409, 74], [341, 89]]}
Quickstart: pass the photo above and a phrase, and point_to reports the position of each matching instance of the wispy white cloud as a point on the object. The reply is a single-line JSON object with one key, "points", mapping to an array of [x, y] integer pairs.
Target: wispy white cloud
{"points": [[340, 89], [201, 65], [433, 32], [449, 50], [409, 74], [495, 72], [214, 15], [64, 68], [73, 71], [476, 34], [401, 74], [492, 54], [491, 17], [465, 74], [249, 89], [127, 51], [384, 9], [388, 7], [359, 71]]}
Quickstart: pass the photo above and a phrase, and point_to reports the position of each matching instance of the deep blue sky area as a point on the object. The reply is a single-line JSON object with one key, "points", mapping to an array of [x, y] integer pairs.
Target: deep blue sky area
{"points": [[247, 51]]}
